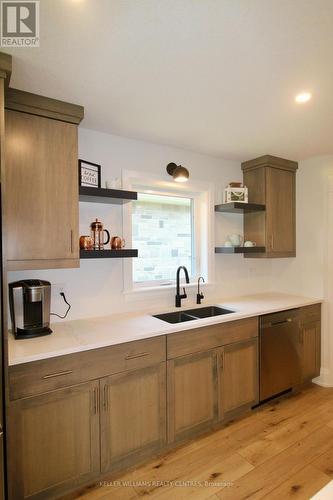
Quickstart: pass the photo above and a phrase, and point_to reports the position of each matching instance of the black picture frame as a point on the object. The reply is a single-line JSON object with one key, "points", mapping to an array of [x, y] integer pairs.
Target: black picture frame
{"points": [[93, 168]]}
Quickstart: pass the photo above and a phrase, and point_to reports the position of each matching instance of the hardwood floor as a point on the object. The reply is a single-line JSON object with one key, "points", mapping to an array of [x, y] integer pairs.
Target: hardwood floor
{"points": [[282, 450]]}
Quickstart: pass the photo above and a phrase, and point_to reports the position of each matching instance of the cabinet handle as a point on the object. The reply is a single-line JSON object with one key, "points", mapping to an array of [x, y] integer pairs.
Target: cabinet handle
{"points": [[301, 336], [272, 241], [139, 355], [71, 240], [58, 374], [105, 397], [96, 401], [222, 361]]}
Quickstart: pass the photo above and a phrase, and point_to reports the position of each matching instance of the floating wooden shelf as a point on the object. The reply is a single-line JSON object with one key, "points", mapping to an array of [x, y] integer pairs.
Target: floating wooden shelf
{"points": [[103, 195], [237, 207], [108, 254], [240, 249]]}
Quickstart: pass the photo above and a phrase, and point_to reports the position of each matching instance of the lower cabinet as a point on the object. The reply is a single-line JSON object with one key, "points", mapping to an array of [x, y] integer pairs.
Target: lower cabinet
{"points": [[65, 438], [133, 416], [53, 442], [310, 332], [205, 387], [70, 436], [239, 384], [192, 394]]}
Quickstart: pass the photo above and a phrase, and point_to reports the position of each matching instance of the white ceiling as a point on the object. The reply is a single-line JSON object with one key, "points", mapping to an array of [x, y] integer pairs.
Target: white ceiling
{"points": [[215, 76]]}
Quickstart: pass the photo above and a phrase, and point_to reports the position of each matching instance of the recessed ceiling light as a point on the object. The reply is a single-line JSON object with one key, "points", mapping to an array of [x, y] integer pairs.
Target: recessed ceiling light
{"points": [[303, 97]]}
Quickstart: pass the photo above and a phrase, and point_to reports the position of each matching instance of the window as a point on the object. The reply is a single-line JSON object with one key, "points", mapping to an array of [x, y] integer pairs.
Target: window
{"points": [[163, 232], [171, 225]]}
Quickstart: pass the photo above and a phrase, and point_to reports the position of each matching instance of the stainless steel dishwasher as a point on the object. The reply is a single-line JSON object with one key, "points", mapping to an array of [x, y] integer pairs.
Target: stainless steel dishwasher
{"points": [[280, 362]]}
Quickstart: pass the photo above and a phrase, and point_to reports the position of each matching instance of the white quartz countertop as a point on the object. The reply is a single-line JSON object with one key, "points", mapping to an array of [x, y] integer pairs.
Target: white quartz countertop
{"points": [[81, 335]]}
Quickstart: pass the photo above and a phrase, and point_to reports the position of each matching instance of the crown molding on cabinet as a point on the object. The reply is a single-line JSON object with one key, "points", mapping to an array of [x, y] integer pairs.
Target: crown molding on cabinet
{"points": [[5, 67], [26, 102], [270, 161]]}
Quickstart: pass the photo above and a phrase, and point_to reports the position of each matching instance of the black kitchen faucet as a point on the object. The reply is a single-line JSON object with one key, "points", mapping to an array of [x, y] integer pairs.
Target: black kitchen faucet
{"points": [[179, 297]]}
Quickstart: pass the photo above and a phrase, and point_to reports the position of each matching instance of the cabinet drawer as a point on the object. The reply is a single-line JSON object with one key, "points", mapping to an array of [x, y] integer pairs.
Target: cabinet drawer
{"points": [[205, 338], [310, 313], [37, 377]]}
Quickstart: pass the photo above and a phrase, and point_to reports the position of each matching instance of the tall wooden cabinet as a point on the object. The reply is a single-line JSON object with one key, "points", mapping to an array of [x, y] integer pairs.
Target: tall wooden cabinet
{"points": [[271, 181], [41, 151]]}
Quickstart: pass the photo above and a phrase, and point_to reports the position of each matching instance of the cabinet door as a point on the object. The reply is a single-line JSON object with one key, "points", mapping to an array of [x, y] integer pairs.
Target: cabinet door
{"points": [[133, 416], [192, 394], [310, 349], [280, 213], [41, 192], [238, 376], [53, 442]]}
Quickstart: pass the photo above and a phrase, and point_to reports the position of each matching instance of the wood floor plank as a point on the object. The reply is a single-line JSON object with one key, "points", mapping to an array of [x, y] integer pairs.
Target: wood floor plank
{"points": [[285, 433], [260, 450], [287, 409], [263, 479], [106, 492], [324, 463], [301, 486]]}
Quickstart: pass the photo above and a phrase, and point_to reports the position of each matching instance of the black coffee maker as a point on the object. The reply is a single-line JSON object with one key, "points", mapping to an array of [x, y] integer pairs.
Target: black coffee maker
{"points": [[29, 302]]}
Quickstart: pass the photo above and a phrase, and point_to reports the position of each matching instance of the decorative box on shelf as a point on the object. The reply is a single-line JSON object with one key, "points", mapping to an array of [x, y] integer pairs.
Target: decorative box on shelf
{"points": [[236, 191]]}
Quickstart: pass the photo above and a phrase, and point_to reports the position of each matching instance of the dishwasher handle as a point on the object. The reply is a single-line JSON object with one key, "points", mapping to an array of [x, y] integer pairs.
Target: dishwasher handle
{"points": [[279, 319], [282, 322]]}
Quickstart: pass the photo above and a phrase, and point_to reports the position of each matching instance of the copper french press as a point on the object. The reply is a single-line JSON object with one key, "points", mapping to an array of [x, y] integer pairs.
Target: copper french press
{"points": [[97, 234]]}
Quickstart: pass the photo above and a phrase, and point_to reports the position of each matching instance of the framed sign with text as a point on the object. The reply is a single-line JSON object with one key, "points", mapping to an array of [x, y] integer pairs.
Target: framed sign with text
{"points": [[89, 174]]}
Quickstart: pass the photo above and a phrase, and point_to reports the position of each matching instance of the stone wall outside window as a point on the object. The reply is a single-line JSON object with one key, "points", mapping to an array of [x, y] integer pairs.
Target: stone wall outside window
{"points": [[162, 231]]}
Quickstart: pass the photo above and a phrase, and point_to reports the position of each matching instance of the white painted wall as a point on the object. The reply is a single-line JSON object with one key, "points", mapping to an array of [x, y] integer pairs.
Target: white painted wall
{"points": [[305, 274], [96, 288]]}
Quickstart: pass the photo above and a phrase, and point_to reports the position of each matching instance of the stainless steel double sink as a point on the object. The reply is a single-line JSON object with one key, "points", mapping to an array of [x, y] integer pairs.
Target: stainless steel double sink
{"points": [[192, 314]]}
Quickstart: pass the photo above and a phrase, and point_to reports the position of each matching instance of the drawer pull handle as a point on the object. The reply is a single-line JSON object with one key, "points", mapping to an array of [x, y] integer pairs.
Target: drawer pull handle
{"points": [[58, 374], [139, 355]]}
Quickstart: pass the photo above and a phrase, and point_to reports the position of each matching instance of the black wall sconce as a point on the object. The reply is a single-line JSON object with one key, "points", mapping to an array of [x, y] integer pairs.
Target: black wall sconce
{"points": [[179, 173]]}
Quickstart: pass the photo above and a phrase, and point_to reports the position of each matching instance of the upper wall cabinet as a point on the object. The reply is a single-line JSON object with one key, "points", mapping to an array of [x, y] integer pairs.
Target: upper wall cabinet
{"points": [[271, 181], [41, 183]]}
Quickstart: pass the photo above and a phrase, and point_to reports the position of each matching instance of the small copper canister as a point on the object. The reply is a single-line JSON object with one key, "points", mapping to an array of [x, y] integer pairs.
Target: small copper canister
{"points": [[117, 243], [86, 243]]}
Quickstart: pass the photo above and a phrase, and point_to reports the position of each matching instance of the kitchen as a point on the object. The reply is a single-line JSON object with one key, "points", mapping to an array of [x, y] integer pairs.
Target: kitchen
{"points": [[160, 337]]}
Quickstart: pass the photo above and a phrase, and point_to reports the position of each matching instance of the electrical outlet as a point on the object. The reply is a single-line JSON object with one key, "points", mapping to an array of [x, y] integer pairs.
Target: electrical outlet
{"points": [[58, 288]]}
